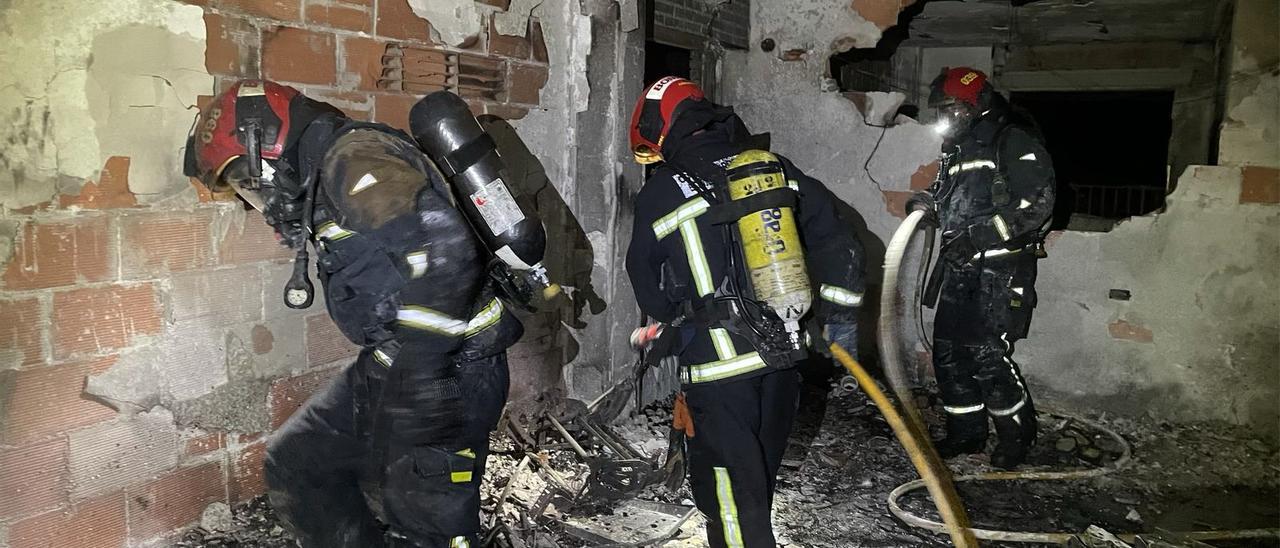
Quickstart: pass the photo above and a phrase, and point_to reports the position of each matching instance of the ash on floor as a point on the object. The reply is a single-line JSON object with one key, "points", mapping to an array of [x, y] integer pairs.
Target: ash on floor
{"points": [[844, 460]]}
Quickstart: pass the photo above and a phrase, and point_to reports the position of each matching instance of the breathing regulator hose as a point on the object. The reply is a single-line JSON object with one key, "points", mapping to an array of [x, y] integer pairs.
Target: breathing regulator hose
{"points": [[911, 432]]}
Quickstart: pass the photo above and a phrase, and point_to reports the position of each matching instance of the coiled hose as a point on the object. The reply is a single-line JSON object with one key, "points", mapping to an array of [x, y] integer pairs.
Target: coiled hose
{"points": [[913, 434]]}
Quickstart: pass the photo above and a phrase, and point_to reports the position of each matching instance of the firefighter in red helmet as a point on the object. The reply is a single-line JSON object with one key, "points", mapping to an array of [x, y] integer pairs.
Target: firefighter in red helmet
{"points": [[738, 375], [993, 200], [397, 441]]}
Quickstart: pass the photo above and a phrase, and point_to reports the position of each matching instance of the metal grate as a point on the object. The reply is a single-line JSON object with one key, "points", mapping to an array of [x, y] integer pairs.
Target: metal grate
{"points": [[423, 70], [1117, 202]]}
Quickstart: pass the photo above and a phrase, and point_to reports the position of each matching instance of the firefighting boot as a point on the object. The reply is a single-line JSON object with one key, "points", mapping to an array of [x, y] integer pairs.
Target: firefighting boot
{"points": [[966, 434], [1014, 435]]}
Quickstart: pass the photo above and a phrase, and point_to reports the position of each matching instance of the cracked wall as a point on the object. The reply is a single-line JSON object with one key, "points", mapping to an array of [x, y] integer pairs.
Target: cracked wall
{"points": [[1251, 128]]}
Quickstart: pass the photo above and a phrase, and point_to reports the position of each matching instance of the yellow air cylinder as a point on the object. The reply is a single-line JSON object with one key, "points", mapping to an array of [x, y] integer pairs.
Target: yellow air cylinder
{"points": [[771, 240]]}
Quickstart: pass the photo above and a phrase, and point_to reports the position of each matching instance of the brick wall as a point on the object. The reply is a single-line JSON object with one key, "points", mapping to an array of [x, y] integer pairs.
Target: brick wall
{"points": [[174, 308], [684, 22]]}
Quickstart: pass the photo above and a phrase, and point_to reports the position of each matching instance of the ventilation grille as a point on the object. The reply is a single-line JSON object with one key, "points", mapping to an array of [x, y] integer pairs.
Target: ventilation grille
{"points": [[424, 70]]}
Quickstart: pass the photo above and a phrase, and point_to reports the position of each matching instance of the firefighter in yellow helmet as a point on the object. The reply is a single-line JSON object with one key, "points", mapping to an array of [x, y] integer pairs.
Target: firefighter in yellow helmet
{"points": [[734, 249]]}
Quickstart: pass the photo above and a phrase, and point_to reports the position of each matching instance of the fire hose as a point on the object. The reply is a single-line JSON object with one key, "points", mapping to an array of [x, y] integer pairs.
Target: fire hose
{"points": [[935, 476]]}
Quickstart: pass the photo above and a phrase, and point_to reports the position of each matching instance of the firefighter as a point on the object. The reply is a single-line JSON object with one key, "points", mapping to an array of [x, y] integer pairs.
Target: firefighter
{"points": [[399, 438], [992, 200], [741, 390]]}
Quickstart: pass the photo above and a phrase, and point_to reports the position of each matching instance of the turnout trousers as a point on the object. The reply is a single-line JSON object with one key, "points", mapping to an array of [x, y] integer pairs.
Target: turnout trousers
{"points": [[983, 310], [741, 429], [323, 477]]}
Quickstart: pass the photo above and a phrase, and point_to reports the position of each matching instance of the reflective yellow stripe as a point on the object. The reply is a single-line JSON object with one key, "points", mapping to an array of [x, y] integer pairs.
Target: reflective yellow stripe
{"points": [[1001, 227], [961, 410], [975, 164], [486, 318], [332, 232], [671, 221], [460, 477], [697, 258], [793, 184], [417, 263], [466, 453], [382, 357], [427, 319], [724, 369], [724, 344], [728, 509], [459, 542], [840, 295]]}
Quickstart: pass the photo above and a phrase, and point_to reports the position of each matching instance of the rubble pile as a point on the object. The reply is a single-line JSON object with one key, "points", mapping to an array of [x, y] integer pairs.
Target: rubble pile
{"points": [[569, 481]]}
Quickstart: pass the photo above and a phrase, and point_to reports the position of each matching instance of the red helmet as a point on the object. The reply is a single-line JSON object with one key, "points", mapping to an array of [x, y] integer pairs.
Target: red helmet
{"points": [[252, 113], [656, 112], [961, 84]]}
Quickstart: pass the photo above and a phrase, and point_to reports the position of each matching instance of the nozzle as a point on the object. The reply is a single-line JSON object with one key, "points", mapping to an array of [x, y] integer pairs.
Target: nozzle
{"points": [[551, 291]]}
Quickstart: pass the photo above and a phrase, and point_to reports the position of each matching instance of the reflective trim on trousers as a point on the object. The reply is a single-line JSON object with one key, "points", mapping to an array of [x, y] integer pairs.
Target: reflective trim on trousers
{"points": [[839, 295], [426, 319], [724, 344], [698, 264], [1006, 412], [963, 409], [671, 221], [485, 318], [728, 509], [724, 369]]}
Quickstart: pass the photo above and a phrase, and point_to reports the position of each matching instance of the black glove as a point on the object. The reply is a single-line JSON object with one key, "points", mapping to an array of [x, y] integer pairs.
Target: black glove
{"points": [[924, 201], [958, 249]]}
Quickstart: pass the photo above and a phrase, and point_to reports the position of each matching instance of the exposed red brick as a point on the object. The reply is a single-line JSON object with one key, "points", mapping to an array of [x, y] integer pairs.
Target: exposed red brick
{"points": [[111, 190], [397, 20], [393, 109], [506, 112], [33, 478], [52, 254], [1121, 329], [175, 500], [356, 105], [288, 394], [41, 402], [883, 13], [538, 42], [248, 479], [924, 176], [362, 61], [299, 55], [281, 10], [231, 45], [250, 242], [94, 523], [157, 243], [325, 343], [515, 47], [22, 331], [895, 202], [263, 339], [204, 444], [340, 15], [1260, 185], [526, 83], [101, 319]]}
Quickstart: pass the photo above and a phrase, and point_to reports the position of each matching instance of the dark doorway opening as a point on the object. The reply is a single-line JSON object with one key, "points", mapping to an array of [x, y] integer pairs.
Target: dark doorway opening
{"points": [[663, 60], [1110, 152]]}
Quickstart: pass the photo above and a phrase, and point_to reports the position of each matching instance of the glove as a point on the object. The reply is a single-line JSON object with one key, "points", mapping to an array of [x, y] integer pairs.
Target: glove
{"points": [[844, 334], [924, 201], [958, 249]]}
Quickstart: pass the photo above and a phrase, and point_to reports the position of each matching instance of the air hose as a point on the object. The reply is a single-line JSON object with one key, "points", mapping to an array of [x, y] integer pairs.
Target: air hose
{"points": [[914, 437]]}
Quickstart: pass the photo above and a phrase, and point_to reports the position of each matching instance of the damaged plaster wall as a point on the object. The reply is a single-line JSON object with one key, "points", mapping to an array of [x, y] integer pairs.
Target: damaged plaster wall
{"points": [[1251, 130], [91, 80], [1198, 339]]}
